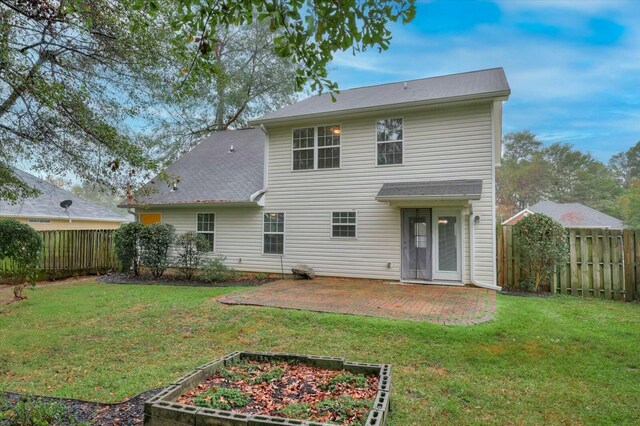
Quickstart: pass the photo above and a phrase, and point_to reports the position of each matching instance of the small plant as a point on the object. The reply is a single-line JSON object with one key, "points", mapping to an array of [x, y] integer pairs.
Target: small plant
{"points": [[268, 376], [222, 399], [127, 244], [542, 244], [191, 248], [298, 410], [216, 271], [261, 276], [359, 381], [155, 243], [33, 412], [21, 245], [344, 407]]}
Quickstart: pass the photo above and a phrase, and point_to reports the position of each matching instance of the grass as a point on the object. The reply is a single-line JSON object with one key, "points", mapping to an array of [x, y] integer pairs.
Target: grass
{"points": [[558, 360]]}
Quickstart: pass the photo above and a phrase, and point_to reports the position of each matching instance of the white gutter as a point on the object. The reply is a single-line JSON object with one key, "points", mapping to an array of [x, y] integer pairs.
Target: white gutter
{"points": [[472, 260], [257, 194]]}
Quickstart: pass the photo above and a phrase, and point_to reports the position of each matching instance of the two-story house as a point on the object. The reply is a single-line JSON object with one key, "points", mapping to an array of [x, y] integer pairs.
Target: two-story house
{"points": [[395, 182]]}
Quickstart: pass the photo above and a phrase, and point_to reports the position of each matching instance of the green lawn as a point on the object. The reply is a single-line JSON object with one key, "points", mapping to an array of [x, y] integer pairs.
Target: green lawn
{"points": [[560, 360]]}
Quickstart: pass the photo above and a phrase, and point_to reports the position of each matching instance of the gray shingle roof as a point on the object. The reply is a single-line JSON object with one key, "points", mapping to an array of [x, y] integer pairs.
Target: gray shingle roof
{"points": [[466, 189], [485, 83], [47, 204], [209, 173], [576, 215]]}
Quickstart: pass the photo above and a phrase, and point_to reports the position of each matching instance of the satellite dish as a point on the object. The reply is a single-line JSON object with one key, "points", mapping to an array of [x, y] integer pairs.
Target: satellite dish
{"points": [[66, 204]]}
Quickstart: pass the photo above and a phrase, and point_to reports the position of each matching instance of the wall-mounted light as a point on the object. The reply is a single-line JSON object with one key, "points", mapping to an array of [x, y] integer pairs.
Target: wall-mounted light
{"points": [[476, 219], [388, 265]]}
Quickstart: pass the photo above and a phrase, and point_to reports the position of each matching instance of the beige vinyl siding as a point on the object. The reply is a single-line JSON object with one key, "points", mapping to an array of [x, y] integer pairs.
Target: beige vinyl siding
{"points": [[439, 144], [64, 224]]}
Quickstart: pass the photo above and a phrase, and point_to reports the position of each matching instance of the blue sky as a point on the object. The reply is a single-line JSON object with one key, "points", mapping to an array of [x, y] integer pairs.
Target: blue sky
{"points": [[573, 65]]}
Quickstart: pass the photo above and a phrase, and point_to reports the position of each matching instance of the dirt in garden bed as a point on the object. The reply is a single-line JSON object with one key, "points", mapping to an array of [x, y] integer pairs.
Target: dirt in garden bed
{"points": [[288, 389], [242, 280], [74, 411]]}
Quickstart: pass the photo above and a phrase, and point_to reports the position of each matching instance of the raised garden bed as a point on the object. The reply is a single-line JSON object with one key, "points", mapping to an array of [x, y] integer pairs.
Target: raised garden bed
{"points": [[256, 388]]}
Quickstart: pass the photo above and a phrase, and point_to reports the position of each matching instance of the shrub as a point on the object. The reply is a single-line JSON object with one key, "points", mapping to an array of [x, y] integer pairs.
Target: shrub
{"points": [[191, 248], [216, 271], [22, 245], [155, 243], [222, 399], [127, 242], [542, 244]]}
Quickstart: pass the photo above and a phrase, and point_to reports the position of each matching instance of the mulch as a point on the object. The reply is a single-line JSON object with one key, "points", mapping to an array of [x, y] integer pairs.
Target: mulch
{"points": [[520, 293], [126, 413], [171, 280]]}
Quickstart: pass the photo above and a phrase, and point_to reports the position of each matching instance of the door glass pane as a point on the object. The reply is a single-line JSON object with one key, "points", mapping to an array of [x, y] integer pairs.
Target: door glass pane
{"points": [[420, 234], [447, 244]]}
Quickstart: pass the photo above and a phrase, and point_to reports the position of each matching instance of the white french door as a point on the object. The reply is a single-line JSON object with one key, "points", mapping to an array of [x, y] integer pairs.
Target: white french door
{"points": [[447, 244]]}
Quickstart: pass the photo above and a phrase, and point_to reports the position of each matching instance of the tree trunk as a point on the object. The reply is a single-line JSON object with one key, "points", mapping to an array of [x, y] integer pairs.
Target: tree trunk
{"points": [[22, 87]]}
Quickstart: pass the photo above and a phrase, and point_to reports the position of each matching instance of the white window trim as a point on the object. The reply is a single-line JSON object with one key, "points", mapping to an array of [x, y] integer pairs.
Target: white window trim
{"points": [[331, 224], [284, 234], [316, 148], [215, 230], [375, 136]]}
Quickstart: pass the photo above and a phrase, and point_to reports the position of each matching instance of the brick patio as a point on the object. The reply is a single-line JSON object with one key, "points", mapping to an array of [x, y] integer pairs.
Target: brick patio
{"points": [[430, 303]]}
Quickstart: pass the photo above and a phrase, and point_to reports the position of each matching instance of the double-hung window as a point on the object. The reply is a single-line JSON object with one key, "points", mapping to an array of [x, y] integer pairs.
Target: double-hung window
{"points": [[343, 224], [316, 147], [207, 227], [389, 136], [273, 237]]}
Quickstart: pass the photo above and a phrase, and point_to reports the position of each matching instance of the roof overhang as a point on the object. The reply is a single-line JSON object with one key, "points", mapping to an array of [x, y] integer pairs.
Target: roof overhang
{"points": [[443, 190], [502, 95], [191, 204], [42, 216]]}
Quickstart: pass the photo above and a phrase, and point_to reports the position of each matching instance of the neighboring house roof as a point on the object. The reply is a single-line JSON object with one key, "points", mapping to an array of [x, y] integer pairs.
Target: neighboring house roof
{"points": [[210, 173], [576, 215], [469, 85], [47, 204], [465, 189], [517, 217]]}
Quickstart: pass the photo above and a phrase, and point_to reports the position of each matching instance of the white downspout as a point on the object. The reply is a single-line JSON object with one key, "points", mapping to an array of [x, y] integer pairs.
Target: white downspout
{"points": [[472, 260]]}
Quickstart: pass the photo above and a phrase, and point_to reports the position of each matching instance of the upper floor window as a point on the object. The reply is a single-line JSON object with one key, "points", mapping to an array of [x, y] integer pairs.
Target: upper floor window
{"points": [[316, 148], [207, 226], [389, 136]]}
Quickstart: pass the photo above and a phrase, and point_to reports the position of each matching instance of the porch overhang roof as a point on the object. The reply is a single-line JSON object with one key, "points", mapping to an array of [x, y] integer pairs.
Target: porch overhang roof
{"points": [[440, 190]]}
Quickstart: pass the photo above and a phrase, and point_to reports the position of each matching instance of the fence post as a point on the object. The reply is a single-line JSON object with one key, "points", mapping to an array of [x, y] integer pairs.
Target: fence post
{"points": [[629, 264]]}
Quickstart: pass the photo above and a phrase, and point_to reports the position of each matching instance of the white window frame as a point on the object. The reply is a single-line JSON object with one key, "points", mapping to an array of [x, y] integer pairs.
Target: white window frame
{"points": [[316, 148], [215, 233], [283, 233], [332, 224], [375, 135]]}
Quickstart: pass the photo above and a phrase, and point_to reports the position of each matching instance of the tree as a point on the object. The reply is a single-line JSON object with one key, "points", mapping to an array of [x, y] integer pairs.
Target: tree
{"points": [[21, 245], [250, 81], [629, 203], [105, 197], [626, 165], [543, 248], [68, 85], [308, 33]]}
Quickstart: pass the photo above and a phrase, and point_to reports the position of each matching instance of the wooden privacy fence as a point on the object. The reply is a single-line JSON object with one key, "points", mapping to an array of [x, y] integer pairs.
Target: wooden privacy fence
{"points": [[75, 251], [602, 263]]}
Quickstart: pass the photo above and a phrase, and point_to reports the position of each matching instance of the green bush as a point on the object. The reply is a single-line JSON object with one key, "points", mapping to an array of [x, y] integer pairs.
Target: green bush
{"points": [[33, 412], [222, 399], [155, 243], [127, 242], [543, 248], [191, 248], [22, 245], [216, 271]]}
